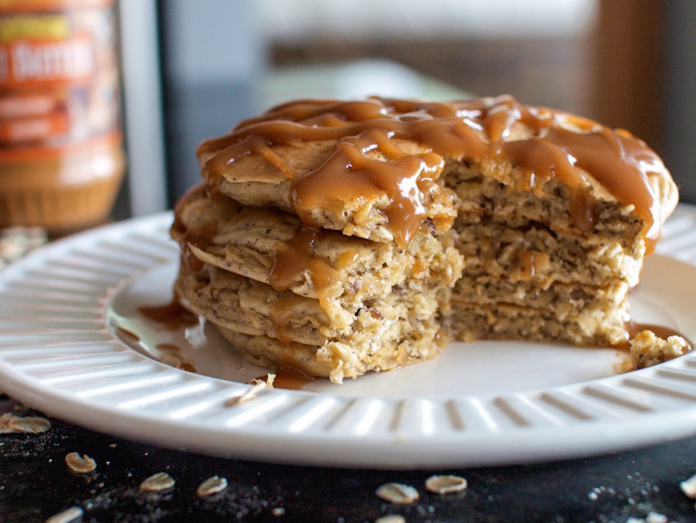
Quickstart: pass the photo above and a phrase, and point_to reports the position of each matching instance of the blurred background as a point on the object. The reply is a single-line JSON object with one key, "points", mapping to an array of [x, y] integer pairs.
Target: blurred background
{"points": [[191, 70]]}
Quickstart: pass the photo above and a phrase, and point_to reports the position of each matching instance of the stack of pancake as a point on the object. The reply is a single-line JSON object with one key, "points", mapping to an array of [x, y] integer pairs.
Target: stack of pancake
{"points": [[339, 238]]}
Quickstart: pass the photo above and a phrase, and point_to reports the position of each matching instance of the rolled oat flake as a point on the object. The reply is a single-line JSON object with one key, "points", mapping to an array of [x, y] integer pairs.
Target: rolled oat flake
{"points": [[71, 515], [80, 464], [688, 487], [391, 518], [397, 493], [210, 486], [9, 424], [445, 484], [157, 482]]}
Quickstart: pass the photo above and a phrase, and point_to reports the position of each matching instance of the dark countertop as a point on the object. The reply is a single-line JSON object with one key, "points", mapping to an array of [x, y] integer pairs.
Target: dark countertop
{"points": [[35, 484]]}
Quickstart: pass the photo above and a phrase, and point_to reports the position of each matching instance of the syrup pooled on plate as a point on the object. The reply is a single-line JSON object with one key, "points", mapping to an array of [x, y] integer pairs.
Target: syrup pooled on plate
{"points": [[171, 316], [288, 378]]}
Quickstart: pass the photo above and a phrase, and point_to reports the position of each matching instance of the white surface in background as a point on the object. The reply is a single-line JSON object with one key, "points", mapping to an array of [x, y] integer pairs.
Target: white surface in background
{"points": [[144, 130], [352, 81], [385, 19]]}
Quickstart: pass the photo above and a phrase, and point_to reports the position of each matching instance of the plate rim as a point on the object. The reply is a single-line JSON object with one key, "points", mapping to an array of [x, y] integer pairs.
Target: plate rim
{"points": [[260, 442]]}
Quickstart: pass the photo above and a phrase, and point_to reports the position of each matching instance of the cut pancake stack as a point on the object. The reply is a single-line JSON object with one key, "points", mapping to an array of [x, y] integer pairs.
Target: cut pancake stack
{"points": [[343, 237], [535, 271]]}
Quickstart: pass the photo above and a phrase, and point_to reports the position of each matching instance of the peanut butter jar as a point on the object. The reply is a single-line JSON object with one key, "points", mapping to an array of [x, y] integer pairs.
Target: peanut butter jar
{"points": [[61, 154]]}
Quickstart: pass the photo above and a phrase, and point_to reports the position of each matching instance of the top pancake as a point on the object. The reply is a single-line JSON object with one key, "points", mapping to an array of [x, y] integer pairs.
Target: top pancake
{"points": [[378, 169]]}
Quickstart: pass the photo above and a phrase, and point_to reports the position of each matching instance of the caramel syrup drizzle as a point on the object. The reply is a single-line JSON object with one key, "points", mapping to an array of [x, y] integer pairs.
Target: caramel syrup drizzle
{"points": [[556, 145], [297, 257]]}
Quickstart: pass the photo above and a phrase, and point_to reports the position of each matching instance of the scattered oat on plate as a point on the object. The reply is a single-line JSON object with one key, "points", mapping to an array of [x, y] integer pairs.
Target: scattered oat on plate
{"points": [[257, 385]]}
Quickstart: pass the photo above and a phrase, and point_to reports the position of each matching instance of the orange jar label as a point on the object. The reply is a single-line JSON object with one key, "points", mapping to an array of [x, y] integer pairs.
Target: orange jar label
{"points": [[58, 77], [71, 60]]}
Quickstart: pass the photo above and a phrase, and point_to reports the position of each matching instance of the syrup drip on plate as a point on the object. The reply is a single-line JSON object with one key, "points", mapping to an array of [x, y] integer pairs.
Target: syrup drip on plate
{"points": [[171, 316], [127, 335], [289, 378]]}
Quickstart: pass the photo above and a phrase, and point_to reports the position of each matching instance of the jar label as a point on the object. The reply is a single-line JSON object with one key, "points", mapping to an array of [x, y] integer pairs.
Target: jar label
{"points": [[58, 79], [24, 62]]}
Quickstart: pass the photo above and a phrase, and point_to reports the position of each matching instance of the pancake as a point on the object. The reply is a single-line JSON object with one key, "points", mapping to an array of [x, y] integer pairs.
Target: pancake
{"points": [[377, 168]]}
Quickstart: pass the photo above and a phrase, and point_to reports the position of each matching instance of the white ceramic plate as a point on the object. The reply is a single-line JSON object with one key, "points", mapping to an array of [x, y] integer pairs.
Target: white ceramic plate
{"points": [[74, 344]]}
